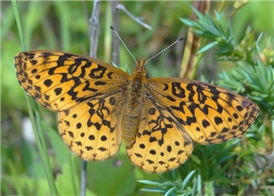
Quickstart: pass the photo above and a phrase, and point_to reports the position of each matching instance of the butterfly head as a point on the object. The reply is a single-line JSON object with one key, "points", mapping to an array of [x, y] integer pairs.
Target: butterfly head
{"points": [[138, 76], [140, 68]]}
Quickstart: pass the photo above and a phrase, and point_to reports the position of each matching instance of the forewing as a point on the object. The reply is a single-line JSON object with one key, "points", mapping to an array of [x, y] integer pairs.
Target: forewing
{"points": [[161, 143], [92, 128], [208, 113], [59, 80], [88, 93]]}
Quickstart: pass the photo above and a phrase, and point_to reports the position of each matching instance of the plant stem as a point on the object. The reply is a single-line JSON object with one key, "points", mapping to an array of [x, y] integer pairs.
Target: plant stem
{"points": [[199, 58], [222, 6], [35, 115]]}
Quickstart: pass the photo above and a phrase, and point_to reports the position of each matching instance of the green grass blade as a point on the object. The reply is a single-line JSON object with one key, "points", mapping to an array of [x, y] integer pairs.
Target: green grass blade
{"points": [[41, 144]]}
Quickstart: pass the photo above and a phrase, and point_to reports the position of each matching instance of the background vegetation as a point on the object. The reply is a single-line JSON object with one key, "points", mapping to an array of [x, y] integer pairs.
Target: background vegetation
{"points": [[243, 62]]}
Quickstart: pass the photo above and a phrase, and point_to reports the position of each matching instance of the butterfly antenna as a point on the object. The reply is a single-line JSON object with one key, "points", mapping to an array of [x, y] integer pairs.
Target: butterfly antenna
{"points": [[123, 43], [178, 40]]}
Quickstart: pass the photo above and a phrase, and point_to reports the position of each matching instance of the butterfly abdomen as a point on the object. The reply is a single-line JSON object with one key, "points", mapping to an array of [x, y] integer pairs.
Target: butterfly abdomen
{"points": [[131, 119], [132, 109], [131, 114]]}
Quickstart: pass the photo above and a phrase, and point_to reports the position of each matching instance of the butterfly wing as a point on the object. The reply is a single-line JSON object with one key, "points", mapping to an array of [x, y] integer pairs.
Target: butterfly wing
{"points": [[59, 80], [85, 91], [208, 113], [92, 128], [161, 142]]}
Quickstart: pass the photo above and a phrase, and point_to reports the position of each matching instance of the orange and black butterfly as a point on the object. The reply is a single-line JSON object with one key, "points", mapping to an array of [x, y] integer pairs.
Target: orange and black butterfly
{"points": [[100, 105]]}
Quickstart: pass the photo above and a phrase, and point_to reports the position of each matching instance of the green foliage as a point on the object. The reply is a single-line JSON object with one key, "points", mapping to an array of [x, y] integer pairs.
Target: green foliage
{"points": [[106, 178], [176, 186], [219, 32], [237, 167]]}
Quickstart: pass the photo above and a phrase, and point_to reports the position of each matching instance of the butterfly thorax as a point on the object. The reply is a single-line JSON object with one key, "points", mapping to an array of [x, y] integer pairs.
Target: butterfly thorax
{"points": [[138, 77], [131, 114]]}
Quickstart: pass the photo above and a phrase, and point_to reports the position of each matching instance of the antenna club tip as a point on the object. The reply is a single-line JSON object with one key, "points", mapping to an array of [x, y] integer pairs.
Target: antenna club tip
{"points": [[111, 27], [181, 38]]}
